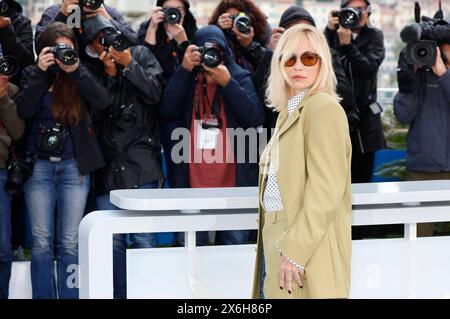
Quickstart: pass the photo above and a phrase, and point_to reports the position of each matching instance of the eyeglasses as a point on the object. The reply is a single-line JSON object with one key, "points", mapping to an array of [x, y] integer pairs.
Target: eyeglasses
{"points": [[307, 58]]}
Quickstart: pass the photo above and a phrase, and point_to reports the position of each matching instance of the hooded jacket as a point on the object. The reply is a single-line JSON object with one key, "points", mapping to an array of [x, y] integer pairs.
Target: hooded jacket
{"points": [[17, 39], [425, 105], [242, 106]]}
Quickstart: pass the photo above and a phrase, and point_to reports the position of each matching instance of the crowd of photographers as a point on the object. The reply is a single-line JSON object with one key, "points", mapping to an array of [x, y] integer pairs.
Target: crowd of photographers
{"points": [[93, 111]]}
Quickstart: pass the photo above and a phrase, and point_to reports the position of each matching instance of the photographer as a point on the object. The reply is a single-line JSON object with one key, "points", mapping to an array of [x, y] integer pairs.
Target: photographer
{"points": [[362, 51], [56, 98], [292, 16], [11, 128], [16, 37], [247, 38], [128, 133], [168, 41], [61, 12], [208, 100], [423, 102]]}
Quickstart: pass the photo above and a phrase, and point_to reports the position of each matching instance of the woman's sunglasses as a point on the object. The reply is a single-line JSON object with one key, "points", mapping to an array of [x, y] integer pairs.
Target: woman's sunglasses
{"points": [[307, 58]]}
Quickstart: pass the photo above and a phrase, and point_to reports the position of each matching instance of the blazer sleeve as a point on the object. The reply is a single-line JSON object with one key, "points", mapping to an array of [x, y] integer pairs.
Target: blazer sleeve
{"points": [[328, 172]]}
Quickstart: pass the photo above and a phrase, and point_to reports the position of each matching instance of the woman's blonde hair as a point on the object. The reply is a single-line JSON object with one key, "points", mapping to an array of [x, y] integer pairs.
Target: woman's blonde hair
{"points": [[278, 86]]}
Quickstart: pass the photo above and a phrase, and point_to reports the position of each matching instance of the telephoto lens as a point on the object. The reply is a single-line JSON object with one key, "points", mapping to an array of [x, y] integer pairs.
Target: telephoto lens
{"points": [[211, 55], [172, 15], [91, 4], [115, 39], [6, 10], [65, 54], [242, 22], [9, 66]]}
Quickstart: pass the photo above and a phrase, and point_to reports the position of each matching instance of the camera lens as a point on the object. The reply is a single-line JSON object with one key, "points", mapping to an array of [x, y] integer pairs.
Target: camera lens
{"points": [[349, 18], [91, 4], [120, 43], [66, 54], [422, 52], [243, 24], [212, 57], [9, 66], [172, 16]]}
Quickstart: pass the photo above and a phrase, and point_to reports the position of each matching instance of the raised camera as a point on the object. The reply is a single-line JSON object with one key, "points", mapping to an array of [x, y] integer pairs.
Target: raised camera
{"points": [[242, 22], [52, 140], [115, 39], [9, 66], [91, 4], [65, 54], [172, 15], [421, 53], [6, 10], [211, 55], [349, 18]]}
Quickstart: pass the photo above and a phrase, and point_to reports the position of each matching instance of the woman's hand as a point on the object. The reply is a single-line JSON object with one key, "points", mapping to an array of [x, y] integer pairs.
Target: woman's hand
{"points": [[244, 39], [178, 32], [157, 16], [68, 68], [68, 6], [225, 21], [46, 59], [290, 273]]}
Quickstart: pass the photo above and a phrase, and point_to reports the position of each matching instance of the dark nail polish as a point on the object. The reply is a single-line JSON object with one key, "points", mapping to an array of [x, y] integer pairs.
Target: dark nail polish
{"points": [[289, 291], [281, 288], [301, 287]]}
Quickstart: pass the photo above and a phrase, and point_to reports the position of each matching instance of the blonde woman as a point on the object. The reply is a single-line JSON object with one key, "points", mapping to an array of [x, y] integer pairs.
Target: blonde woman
{"points": [[305, 189]]}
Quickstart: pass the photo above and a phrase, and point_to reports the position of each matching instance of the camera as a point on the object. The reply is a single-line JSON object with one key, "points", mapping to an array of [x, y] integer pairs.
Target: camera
{"points": [[19, 170], [6, 10], [172, 15], [242, 22], [91, 4], [9, 66], [211, 55], [421, 53], [52, 140], [115, 39], [349, 18], [65, 54]]}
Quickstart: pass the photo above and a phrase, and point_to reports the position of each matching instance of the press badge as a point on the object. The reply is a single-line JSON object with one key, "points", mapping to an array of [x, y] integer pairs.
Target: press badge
{"points": [[207, 138]]}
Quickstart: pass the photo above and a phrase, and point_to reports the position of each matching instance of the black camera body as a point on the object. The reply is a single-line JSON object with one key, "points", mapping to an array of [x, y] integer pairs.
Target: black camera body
{"points": [[242, 22], [52, 140], [65, 54], [91, 4], [19, 170], [172, 15], [114, 38], [211, 55], [6, 10], [9, 66], [349, 18]]}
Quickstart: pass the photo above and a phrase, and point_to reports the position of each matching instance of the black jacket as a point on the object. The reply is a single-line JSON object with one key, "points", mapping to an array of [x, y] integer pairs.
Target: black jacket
{"points": [[35, 83], [262, 73], [362, 58], [128, 132], [17, 40]]}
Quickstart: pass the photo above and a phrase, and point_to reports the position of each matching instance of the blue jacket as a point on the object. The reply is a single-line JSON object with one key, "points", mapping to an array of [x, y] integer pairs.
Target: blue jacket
{"points": [[243, 108], [426, 109]]}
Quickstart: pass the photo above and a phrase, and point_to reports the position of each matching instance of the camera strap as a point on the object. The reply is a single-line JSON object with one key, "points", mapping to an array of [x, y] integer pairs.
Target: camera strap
{"points": [[215, 108]]}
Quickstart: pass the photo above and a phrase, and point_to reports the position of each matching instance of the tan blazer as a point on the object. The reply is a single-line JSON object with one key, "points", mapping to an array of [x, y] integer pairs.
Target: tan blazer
{"points": [[313, 156]]}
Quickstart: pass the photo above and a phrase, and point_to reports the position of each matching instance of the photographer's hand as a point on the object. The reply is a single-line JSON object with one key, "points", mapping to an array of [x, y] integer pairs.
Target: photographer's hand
{"points": [[45, 59], [244, 39], [178, 32], [439, 67], [225, 21], [123, 58], [220, 74], [100, 11], [68, 6], [4, 86], [157, 16], [345, 36], [192, 58], [332, 21], [4, 22], [109, 64], [275, 37]]}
